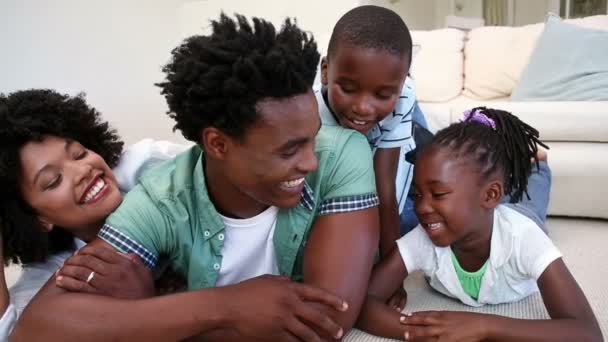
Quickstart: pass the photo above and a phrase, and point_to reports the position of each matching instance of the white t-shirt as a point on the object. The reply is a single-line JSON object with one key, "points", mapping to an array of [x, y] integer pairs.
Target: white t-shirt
{"points": [[248, 249], [519, 253], [135, 160], [392, 132]]}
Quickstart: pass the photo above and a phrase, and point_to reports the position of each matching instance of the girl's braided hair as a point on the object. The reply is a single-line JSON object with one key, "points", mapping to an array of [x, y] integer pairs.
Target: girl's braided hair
{"points": [[503, 143]]}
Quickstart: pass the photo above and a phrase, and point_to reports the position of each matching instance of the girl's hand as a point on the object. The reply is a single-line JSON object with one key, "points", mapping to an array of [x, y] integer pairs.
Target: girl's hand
{"points": [[398, 299], [444, 326], [95, 269]]}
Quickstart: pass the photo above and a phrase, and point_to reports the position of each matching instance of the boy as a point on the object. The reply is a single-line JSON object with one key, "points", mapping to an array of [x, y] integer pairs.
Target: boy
{"points": [[366, 88]]}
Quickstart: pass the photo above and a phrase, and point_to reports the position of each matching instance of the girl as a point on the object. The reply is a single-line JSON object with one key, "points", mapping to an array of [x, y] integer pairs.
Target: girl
{"points": [[475, 249]]}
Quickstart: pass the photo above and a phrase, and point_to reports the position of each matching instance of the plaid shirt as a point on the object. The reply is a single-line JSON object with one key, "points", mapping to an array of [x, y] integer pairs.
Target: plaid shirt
{"points": [[170, 213]]}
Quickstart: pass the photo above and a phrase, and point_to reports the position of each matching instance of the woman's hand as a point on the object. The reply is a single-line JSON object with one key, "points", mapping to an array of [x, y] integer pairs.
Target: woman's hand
{"points": [[95, 269], [445, 326]]}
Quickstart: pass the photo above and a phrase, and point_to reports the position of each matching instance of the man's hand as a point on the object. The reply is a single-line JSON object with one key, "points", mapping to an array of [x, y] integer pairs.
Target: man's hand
{"points": [[95, 269], [275, 308], [444, 326], [398, 299]]}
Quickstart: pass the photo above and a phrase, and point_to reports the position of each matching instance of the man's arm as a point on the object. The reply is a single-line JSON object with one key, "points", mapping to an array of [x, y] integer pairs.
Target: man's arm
{"points": [[281, 304], [339, 256], [386, 161]]}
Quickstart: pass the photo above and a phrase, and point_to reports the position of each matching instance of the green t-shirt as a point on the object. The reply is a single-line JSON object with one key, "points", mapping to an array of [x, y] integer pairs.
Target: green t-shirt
{"points": [[170, 213], [470, 281]]}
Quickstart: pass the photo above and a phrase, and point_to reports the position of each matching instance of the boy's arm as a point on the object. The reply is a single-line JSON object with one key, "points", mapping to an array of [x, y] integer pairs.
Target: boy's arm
{"points": [[386, 161], [55, 314], [571, 317]]}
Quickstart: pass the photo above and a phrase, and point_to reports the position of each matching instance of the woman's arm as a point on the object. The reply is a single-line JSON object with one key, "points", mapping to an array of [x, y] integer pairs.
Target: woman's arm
{"points": [[8, 314]]}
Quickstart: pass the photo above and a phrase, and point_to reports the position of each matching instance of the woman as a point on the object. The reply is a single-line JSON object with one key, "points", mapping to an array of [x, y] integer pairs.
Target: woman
{"points": [[58, 187]]}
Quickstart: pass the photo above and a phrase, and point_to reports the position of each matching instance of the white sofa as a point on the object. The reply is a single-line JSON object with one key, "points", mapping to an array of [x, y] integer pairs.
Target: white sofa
{"points": [[456, 70]]}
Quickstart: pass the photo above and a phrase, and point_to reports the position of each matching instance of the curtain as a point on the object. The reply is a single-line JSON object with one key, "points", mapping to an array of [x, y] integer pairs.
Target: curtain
{"points": [[495, 12]]}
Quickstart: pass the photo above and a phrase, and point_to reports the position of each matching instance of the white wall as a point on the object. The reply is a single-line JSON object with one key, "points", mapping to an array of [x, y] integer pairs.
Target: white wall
{"points": [[114, 49], [316, 16]]}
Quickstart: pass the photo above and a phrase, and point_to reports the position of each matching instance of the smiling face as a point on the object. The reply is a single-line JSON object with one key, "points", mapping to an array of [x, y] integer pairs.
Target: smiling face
{"points": [[67, 185], [452, 203], [363, 85], [269, 163]]}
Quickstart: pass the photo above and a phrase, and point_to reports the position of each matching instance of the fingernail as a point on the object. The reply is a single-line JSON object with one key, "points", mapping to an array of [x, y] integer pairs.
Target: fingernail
{"points": [[344, 306], [340, 333], [409, 314], [406, 336], [59, 279], [402, 319]]}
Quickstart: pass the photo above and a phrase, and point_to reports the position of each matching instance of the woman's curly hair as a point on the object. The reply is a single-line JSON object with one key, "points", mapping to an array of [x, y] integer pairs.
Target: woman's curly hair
{"points": [[217, 80], [26, 116]]}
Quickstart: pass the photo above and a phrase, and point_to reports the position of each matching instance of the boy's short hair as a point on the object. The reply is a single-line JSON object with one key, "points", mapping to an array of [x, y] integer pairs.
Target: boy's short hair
{"points": [[29, 115], [372, 27], [217, 80]]}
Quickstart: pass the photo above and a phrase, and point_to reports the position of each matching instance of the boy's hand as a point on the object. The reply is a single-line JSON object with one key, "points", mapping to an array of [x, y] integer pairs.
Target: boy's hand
{"points": [[398, 299], [445, 326], [275, 308], [95, 269]]}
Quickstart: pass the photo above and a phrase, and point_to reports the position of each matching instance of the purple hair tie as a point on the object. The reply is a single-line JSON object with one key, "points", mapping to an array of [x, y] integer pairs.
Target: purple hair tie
{"points": [[478, 116]]}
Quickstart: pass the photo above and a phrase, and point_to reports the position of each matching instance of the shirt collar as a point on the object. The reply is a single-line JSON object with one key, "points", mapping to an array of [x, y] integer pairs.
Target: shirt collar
{"points": [[308, 199]]}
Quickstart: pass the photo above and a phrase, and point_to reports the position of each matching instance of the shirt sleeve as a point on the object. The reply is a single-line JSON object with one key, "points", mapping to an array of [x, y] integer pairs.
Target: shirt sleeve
{"points": [[141, 157], [139, 226], [536, 253], [416, 250], [397, 131], [351, 184], [7, 322]]}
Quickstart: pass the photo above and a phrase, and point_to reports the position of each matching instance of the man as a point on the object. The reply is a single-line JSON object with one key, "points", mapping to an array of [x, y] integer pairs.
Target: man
{"points": [[264, 191]]}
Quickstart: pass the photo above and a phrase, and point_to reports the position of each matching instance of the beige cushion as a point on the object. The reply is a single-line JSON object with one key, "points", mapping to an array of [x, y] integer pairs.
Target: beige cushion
{"points": [[437, 67], [495, 57]]}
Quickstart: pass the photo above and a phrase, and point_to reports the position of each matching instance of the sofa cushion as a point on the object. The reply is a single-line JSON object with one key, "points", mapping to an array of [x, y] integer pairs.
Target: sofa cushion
{"points": [[495, 57], [583, 121], [569, 63], [437, 67]]}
